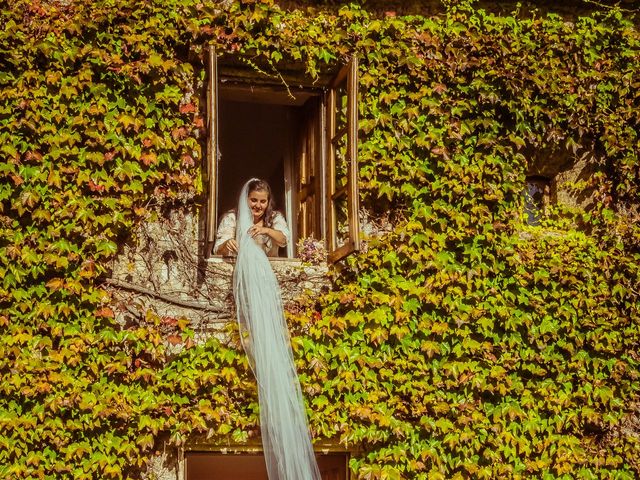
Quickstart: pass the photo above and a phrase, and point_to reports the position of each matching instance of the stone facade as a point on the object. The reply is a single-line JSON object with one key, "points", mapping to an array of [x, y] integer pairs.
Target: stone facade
{"points": [[161, 269]]}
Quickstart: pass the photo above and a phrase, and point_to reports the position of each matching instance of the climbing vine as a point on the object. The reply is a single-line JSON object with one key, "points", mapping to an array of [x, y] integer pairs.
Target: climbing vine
{"points": [[464, 343]]}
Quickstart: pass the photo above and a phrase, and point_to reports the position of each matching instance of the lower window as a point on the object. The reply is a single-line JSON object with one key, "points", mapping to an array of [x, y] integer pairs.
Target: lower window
{"points": [[231, 466]]}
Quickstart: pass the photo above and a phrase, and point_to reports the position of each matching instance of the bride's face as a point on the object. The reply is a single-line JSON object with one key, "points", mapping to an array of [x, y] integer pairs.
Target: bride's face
{"points": [[258, 202]]}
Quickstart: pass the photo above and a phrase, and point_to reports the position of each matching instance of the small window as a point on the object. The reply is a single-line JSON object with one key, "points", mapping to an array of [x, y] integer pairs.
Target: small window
{"points": [[302, 140], [536, 196]]}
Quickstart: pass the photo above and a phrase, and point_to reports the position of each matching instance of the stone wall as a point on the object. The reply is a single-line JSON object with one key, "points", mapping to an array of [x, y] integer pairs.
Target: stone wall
{"points": [[161, 269]]}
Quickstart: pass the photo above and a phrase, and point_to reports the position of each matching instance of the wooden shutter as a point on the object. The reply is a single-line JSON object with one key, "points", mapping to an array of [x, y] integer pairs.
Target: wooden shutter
{"points": [[308, 151], [211, 170], [342, 224]]}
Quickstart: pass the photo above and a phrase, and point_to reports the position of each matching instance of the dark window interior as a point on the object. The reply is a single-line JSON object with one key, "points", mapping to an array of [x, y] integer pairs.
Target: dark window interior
{"points": [[255, 141], [535, 196], [218, 466], [259, 135]]}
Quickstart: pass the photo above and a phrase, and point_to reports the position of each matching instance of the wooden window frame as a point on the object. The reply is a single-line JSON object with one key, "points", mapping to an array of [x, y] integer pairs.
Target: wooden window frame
{"points": [[254, 447], [329, 195], [213, 154], [348, 75]]}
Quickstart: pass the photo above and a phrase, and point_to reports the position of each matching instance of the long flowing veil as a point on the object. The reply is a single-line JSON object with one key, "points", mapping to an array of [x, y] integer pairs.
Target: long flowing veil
{"points": [[285, 432]]}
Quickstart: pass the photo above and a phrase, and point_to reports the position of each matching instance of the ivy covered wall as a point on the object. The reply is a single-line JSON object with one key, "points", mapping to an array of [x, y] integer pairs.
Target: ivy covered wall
{"points": [[464, 343]]}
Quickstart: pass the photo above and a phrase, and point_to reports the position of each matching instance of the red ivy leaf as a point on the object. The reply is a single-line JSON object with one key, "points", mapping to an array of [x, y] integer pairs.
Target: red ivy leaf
{"points": [[179, 133], [94, 187], [104, 312], [33, 155], [148, 158], [187, 108], [187, 160], [439, 88], [17, 179]]}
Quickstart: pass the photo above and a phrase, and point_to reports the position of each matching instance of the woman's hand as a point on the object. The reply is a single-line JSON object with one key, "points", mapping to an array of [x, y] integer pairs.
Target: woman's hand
{"points": [[256, 230], [231, 246], [276, 235]]}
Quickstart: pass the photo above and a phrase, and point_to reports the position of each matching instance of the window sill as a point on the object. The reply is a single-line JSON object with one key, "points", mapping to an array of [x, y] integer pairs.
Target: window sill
{"points": [[292, 273], [231, 259]]}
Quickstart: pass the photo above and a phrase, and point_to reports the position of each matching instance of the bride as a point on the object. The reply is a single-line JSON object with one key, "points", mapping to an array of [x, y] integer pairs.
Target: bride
{"points": [[269, 226], [286, 439]]}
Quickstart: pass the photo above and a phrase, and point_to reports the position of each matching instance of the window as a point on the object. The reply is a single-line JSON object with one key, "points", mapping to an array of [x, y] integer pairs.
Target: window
{"points": [[342, 169], [251, 466], [301, 138], [536, 196]]}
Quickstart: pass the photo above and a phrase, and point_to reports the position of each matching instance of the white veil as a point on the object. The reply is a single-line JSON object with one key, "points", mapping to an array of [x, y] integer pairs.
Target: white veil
{"points": [[285, 433]]}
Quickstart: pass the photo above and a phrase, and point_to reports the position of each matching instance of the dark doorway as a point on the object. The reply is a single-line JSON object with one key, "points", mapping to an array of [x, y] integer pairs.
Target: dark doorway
{"points": [[218, 466]]}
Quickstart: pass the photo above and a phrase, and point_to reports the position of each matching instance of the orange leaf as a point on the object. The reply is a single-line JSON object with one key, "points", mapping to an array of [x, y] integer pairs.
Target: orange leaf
{"points": [[148, 158], [187, 160], [105, 312], [55, 283], [187, 108]]}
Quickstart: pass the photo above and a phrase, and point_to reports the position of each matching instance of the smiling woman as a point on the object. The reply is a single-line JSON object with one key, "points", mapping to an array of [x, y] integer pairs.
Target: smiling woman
{"points": [[269, 227]]}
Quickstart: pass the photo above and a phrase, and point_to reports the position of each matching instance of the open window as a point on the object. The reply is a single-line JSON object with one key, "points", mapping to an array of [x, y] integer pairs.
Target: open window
{"points": [[299, 135]]}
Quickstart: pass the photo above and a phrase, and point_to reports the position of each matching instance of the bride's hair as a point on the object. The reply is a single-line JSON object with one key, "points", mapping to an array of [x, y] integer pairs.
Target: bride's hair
{"points": [[263, 186]]}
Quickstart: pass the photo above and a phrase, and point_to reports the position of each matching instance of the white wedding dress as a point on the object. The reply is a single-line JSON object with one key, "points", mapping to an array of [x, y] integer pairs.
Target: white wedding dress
{"points": [[286, 439]]}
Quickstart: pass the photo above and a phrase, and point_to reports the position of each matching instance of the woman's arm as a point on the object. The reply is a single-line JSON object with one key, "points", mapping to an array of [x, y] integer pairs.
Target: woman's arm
{"points": [[276, 235], [225, 243]]}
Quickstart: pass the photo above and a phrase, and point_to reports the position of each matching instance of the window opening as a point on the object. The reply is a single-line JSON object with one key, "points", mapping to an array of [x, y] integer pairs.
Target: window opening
{"points": [[251, 466], [302, 140], [536, 196], [254, 141]]}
